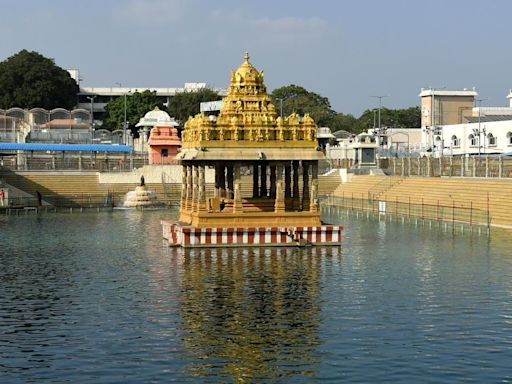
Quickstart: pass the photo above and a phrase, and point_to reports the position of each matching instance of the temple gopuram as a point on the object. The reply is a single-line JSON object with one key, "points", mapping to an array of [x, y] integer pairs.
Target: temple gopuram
{"points": [[248, 142]]}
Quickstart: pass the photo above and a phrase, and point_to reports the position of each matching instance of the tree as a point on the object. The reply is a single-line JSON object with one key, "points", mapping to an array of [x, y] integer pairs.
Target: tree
{"points": [[338, 121], [29, 80], [137, 105], [294, 98], [185, 104], [396, 118]]}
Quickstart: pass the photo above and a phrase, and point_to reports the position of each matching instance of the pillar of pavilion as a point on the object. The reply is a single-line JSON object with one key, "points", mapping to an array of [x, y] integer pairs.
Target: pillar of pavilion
{"points": [[266, 172]]}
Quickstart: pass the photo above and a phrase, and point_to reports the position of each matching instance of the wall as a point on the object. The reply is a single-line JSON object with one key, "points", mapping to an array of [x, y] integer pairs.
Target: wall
{"points": [[499, 129], [448, 109], [152, 174]]}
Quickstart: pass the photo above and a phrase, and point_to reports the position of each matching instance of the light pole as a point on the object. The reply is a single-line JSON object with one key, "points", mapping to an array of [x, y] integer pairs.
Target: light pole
{"points": [[91, 98], [124, 121], [479, 101], [380, 97], [433, 109], [281, 99]]}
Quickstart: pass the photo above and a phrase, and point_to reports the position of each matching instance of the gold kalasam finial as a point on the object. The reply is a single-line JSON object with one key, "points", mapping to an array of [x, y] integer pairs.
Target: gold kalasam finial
{"points": [[246, 57]]}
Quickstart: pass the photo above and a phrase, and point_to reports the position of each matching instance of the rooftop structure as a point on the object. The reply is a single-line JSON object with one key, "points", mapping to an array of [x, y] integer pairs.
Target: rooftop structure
{"points": [[96, 98], [156, 117], [443, 106]]}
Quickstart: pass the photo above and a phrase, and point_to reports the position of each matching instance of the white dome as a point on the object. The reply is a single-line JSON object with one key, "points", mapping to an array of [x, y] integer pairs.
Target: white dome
{"points": [[156, 117]]}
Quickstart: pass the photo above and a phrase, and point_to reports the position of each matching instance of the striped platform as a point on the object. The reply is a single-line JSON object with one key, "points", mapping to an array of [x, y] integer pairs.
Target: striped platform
{"points": [[190, 237]]}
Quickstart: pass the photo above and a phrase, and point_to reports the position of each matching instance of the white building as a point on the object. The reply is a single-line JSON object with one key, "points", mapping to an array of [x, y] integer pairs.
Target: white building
{"points": [[488, 130], [151, 119], [492, 135]]}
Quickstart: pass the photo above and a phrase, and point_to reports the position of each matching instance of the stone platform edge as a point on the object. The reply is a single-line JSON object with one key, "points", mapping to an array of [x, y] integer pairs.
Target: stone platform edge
{"points": [[191, 237]]}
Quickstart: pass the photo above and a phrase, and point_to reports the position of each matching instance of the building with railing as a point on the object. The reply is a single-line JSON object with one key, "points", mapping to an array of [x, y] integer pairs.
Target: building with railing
{"points": [[40, 125], [95, 99]]}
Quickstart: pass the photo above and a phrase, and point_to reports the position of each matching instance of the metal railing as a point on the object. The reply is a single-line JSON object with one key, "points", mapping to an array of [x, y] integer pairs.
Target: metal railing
{"points": [[81, 201], [382, 186], [451, 166], [440, 211]]}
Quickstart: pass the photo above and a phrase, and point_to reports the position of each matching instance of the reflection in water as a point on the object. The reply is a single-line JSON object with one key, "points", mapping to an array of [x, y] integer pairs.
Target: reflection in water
{"points": [[250, 314], [97, 298]]}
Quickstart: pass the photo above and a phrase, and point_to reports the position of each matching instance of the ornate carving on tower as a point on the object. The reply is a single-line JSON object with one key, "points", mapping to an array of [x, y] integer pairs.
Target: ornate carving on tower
{"points": [[248, 118]]}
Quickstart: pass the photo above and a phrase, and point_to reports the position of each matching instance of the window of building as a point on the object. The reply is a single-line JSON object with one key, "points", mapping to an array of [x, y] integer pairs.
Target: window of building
{"points": [[472, 140], [455, 141], [491, 139], [164, 152], [509, 138]]}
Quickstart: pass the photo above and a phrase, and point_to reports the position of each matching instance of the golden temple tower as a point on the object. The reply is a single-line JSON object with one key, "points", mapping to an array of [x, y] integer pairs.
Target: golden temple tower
{"points": [[282, 155]]}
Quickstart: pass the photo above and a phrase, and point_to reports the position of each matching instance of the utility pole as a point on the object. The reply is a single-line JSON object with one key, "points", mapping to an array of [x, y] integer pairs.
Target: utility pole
{"points": [[479, 101], [281, 99], [125, 138], [91, 98], [380, 97]]}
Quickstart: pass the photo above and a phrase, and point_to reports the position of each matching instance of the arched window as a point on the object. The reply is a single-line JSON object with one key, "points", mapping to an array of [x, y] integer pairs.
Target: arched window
{"points": [[491, 139], [472, 140], [509, 138], [455, 141]]}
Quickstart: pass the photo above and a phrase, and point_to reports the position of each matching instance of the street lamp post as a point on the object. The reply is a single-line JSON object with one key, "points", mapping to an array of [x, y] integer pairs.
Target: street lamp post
{"points": [[380, 97], [125, 125], [281, 99], [479, 101], [91, 98]]}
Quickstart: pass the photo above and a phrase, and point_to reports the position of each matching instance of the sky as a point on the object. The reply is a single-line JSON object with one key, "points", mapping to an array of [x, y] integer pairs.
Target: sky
{"points": [[345, 50]]}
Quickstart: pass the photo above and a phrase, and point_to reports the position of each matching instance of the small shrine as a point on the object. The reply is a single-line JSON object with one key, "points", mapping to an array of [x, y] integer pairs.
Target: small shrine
{"points": [[277, 155], [163, 142], [365, 147]]}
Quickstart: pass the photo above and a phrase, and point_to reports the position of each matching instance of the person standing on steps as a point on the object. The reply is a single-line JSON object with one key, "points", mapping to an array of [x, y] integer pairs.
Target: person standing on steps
{"points": [[39, 198]]}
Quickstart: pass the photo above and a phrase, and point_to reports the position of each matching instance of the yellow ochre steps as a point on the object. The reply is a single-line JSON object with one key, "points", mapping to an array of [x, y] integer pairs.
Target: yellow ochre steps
{"points": [[479, 194], [84, 188]]}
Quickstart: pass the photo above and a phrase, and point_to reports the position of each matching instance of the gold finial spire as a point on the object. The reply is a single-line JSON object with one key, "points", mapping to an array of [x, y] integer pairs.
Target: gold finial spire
{"points": [[246, 57]]}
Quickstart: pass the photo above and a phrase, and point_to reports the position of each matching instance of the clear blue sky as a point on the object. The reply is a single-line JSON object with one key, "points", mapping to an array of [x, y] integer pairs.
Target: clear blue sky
{"points": [[345, 50]]}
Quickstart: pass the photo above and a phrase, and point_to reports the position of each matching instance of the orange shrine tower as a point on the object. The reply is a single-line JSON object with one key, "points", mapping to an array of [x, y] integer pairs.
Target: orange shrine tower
{"points": [[279, 155]]}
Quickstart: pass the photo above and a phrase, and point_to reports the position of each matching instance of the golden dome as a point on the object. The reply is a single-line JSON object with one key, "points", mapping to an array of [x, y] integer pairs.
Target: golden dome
{"points": [[246, 74]]}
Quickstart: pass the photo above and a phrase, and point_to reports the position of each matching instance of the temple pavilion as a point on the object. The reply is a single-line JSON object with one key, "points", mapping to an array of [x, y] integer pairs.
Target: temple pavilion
{"points": [[248, 142]]}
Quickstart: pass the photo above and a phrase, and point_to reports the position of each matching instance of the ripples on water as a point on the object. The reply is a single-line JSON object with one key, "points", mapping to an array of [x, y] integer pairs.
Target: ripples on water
{"points": [[98, 298]]}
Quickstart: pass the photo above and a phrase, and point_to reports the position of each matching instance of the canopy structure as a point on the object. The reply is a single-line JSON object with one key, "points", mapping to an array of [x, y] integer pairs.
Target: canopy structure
{"points": [[248, 135], [64, 147]]}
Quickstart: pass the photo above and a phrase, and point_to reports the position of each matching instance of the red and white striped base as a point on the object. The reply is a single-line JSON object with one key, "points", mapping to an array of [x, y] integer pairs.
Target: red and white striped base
{"points": [[190, 237]]}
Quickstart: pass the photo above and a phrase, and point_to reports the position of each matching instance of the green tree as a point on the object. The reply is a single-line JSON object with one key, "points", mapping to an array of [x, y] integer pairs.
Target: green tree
{"points": [[294, 98], [343, 121], [397, 118], [185, 104], [29, 80], [409, 117], [137, 105]]}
